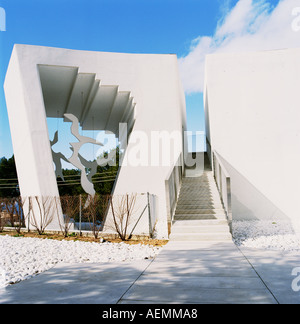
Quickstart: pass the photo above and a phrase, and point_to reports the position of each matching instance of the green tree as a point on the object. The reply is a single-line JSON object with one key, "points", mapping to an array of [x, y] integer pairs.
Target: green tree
{"points": [[106, 176], [103, 180], [9, 186], [71, 186]]}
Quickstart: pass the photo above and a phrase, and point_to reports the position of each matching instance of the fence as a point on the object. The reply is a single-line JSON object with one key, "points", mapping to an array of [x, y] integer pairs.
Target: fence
{"points": [[124, 215], [142, 218]]}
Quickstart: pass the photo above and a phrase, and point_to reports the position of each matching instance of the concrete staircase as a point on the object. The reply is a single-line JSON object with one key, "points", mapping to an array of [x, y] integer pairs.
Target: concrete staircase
{"points": [[199, 214]]}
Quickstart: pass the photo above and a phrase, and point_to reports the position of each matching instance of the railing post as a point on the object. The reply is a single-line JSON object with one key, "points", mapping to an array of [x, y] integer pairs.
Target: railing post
{"points": [[80, 215], [229, 212], [149, 215], [218, 171], [220, 181], [172, 186]]}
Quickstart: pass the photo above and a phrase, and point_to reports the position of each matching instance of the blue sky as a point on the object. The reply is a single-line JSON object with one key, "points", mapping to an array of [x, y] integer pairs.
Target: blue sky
{"points": [[189, 28]]}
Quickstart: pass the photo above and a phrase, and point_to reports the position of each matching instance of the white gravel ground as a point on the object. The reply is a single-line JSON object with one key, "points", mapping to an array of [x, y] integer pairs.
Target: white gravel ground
{"points": [[270, 235], [22, 258]]}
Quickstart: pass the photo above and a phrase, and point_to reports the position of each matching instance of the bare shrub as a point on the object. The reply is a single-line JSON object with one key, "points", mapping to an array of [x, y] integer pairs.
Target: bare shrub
{"points": [[12, 213], [42, 212], [122, 209], [70, 208], [9, 211], [95, 211], [20, 217], [2, 221]]}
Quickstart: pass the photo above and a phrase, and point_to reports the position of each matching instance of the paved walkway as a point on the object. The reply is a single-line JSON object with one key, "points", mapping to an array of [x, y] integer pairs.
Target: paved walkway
{"points": [[183, 273], [199, 272]]}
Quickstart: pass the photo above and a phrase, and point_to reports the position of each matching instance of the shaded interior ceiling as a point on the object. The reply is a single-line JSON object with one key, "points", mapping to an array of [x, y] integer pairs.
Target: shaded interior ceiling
{"points": [[97, 106]]}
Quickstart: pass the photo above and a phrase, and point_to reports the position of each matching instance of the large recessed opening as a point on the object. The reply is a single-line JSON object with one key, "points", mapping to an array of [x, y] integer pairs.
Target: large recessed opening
{"points": [[98, 109]]}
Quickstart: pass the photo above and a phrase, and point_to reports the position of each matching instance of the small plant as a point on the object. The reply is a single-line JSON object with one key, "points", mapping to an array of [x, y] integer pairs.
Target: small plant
{"points": [[95, 211], [19, 213], [72, 235], [18, 235], [42, 210], [70, 207], [122, 209]]}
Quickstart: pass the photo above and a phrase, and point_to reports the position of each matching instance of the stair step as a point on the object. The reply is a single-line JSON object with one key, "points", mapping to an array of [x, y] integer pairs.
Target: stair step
{"points": [[197, 187], [200, 237], [199, 183], [200, 187], [200, 229], [199, 211], [198, 199], [203, 177], [198, 216], [198, 180], [198, 206], [200, 202], [199, 192], [200, 222], [203, 204]]}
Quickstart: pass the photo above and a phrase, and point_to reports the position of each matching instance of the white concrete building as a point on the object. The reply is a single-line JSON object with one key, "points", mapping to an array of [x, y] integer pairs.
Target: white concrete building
{"points": [[101, 90], [253, 122]]}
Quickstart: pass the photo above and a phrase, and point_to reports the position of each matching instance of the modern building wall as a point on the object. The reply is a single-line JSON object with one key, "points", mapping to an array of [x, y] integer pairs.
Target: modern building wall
{"points": [[152, 80], [252, 120]]}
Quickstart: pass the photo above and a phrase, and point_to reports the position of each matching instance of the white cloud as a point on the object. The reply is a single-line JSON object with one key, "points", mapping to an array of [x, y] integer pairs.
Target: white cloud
{"points": [[252, 25]]}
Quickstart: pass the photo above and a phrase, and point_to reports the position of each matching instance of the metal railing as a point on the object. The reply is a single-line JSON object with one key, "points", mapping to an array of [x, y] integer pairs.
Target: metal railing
{"points": [[80, 214], [141, 221], [173, 184], [223, 181]]}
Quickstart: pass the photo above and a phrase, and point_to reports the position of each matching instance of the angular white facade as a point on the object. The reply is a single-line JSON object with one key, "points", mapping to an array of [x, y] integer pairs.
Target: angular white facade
{"points": [[101, 90], [253, 122]]}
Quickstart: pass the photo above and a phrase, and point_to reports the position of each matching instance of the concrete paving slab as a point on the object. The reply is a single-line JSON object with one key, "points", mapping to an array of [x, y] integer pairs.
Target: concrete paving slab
{"points": [[275, 268], [183, 273], [202, 245], [201, 282], [197, 258], [199, 272], [184, 295], [76, 284]]}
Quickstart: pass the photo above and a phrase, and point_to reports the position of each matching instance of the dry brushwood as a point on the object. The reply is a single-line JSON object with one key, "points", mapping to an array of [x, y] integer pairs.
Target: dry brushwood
{"points": [[95, 211], [122, 209], [20, 217], [70, 208], [41, 212]]}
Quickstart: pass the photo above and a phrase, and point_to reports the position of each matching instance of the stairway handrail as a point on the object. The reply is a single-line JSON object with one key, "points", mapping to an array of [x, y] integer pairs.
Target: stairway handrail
{"points": [[171, 203], [221, 172], [226, 173]]}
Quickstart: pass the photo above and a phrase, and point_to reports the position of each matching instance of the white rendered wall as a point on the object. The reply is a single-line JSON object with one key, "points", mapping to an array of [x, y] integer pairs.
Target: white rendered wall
{"points": [[160, 106], [252, 115], [30, 137]]}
